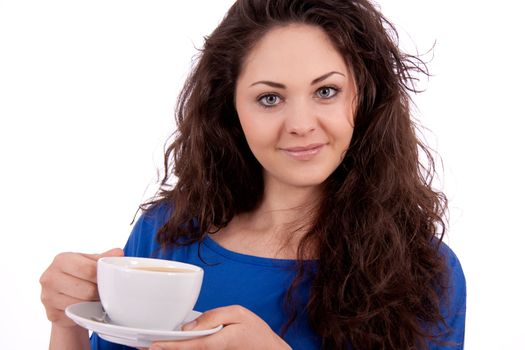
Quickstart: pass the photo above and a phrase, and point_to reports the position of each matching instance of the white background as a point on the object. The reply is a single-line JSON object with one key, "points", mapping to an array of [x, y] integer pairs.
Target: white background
{"points": [[87, 92]]}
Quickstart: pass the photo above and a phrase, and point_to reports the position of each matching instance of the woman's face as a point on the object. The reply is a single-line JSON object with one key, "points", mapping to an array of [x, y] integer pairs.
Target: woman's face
{"points": [[295, 100]]}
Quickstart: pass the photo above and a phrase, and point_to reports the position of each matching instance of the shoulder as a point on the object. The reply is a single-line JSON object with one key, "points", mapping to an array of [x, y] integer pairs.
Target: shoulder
{"points": [[142, 240], [456, 276], [453, 305], [156, 215]]}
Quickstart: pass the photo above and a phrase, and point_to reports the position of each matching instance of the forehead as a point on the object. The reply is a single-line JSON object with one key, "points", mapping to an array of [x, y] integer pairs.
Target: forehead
{"points": [[295, 52]]}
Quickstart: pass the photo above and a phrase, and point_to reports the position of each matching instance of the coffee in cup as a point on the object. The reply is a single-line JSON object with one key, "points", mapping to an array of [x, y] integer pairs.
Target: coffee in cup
{"points": [[147, 293]]}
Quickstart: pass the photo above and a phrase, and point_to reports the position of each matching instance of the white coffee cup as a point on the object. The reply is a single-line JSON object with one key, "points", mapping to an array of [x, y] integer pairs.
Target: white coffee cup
{"points": [[135, 296]]}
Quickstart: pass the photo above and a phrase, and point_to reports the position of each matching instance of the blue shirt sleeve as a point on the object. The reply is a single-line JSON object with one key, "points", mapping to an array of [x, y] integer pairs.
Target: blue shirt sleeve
{"points": [[142, 240], [453, 309]]}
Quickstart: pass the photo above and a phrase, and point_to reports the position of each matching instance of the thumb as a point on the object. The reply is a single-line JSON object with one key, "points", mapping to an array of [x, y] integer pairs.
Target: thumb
{"points": [[111, 252], [223, 315]]}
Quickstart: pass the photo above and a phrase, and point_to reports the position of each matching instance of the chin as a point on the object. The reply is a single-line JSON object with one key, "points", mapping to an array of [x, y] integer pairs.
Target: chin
{"points": [[306, 180]]}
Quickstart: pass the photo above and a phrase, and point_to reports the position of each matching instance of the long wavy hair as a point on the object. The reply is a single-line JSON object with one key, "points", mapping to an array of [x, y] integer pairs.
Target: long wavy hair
{"points": [[379, 224]]}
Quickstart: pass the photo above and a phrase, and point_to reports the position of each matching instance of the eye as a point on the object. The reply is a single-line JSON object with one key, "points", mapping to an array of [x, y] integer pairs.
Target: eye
{"points": [[327, 92], [269, 100]]}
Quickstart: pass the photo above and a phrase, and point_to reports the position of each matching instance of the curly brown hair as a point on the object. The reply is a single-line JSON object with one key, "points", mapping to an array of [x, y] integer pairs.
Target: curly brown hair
{"points": [[379, 225]]}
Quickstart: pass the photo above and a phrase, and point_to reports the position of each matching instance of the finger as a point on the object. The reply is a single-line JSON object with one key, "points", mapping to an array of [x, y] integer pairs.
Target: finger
{"points": [[55, 304], [78, 266], [84, 266], [223, 315], [74, 287], [62, 301]]}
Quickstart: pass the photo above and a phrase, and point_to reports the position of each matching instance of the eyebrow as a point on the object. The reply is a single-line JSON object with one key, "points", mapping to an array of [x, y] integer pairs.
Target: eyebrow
{"points": [[282, 86]]}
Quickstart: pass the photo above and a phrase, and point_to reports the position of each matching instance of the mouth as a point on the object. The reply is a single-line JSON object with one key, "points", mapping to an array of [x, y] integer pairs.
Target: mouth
{"points": [[304, 152]]}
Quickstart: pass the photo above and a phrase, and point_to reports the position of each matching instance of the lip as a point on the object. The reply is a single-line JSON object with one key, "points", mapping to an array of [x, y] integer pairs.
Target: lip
{"points": [[304, 152]]}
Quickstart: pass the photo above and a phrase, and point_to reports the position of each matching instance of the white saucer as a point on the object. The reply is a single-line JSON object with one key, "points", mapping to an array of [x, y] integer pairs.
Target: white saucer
{"points": [[89, 315]]}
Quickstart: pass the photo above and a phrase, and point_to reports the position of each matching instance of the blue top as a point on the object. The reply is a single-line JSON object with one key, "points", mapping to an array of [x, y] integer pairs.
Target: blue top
{"points": [[260, 284]]}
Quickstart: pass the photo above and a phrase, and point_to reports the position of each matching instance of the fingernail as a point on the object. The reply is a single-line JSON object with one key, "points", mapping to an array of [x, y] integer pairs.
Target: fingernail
{"points": [[189, 326]]}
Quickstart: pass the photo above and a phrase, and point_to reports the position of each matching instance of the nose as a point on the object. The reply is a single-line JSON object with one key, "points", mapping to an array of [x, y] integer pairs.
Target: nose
{"points": [[300, 119]]}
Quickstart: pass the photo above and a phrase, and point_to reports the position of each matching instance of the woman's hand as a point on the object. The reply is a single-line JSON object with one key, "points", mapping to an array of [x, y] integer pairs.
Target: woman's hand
{"points": [[71, 278], [242, 330]]}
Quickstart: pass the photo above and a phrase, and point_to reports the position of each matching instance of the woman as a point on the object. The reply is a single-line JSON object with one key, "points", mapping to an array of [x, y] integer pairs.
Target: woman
{"points": [[299, 191]]}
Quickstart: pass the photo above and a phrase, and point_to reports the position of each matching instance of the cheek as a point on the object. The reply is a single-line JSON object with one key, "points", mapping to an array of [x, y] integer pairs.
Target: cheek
{"points": [[258, 130], [338, 121]]}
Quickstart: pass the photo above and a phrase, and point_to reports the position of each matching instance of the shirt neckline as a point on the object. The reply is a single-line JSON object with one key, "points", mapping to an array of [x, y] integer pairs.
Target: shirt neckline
{"points": [[250, 259]]}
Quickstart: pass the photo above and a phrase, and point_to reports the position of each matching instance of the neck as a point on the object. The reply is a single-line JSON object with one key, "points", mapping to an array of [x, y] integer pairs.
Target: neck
{"points": [[276, 227], [286, 205], [284, 214]]}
